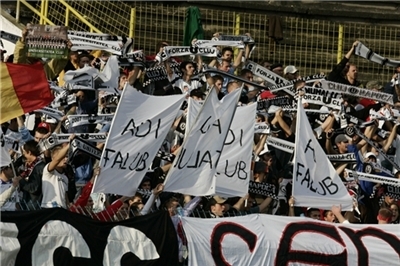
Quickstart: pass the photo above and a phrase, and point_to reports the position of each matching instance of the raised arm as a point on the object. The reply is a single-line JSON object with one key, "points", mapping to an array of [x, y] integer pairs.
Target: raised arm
{"points": [[337, 69], [282, 123], [337, 211], [59, 156], [238, 59], [328, 143], [391, 137]]}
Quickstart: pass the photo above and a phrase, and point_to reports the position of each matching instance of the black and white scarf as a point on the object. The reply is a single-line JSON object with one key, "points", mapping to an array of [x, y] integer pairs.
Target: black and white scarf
{"points": [[367, 53], [288, 85], [56, 114], [277, 101], [209, 43], [79, 145], [354, 175], [88, 119], [263, 189], [171, 51], [357, 92], [56, 139]]}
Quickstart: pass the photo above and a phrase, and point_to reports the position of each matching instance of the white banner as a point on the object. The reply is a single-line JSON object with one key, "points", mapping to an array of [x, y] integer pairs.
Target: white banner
{"points": [[140, 126], [194, 108], [110, 74], [288, 147], [261, 239], [315, 181], [194, 168], [234, 165]]}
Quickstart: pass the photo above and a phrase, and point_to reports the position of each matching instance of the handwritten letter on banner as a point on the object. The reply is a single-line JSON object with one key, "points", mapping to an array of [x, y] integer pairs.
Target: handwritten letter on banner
{"points": [[234, 165], [261, 239], [139, 127], [193, 170], [315, 181]]}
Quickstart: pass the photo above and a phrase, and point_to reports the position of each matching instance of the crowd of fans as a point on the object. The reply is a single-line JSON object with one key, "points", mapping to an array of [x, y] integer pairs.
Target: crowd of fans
{"points": [[48, 179]]}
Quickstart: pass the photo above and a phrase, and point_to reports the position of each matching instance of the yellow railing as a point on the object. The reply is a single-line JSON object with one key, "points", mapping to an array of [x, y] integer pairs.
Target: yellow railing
{"points": [[340, 44], [40, 13], [43, 15], [312, 45]]}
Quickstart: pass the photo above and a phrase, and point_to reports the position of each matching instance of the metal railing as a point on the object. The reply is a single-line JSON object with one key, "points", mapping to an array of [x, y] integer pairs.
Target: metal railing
{"points": [[63, 13], [312, 45]]}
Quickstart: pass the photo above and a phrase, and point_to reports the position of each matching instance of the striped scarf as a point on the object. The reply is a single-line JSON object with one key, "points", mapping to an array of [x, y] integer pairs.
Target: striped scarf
{"points": [[29, 167]]}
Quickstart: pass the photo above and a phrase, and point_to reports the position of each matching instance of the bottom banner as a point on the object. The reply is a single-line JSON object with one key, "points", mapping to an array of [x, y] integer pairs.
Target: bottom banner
{"points": [[261, 239], [60, 237]]}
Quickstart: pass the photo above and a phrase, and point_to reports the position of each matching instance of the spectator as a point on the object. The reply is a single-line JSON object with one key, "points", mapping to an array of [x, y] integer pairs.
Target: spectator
{"points": [[291, 73], [186, 83], [395, 211], [329, 216], [266, 63], [277, 68], [31, 182], [72, 64], [313, 213], [9, 196], [385, 216], [216, 207], [217, 84], [226, 68], [171, 205], [197, 95], [55, 182], [344, 72]]}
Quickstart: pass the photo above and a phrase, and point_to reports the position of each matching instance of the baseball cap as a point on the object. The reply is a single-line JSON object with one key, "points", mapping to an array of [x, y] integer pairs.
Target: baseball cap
{"points": [[44, 125], [290, 69], [215, 200], [341, 138], [267, 95], [219, 200], [369, 154]]}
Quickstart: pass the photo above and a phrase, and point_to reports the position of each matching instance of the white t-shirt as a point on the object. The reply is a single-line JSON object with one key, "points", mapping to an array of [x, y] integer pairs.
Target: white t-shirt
{"points": [[9, 205], [54, 187], [186, 87]]}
